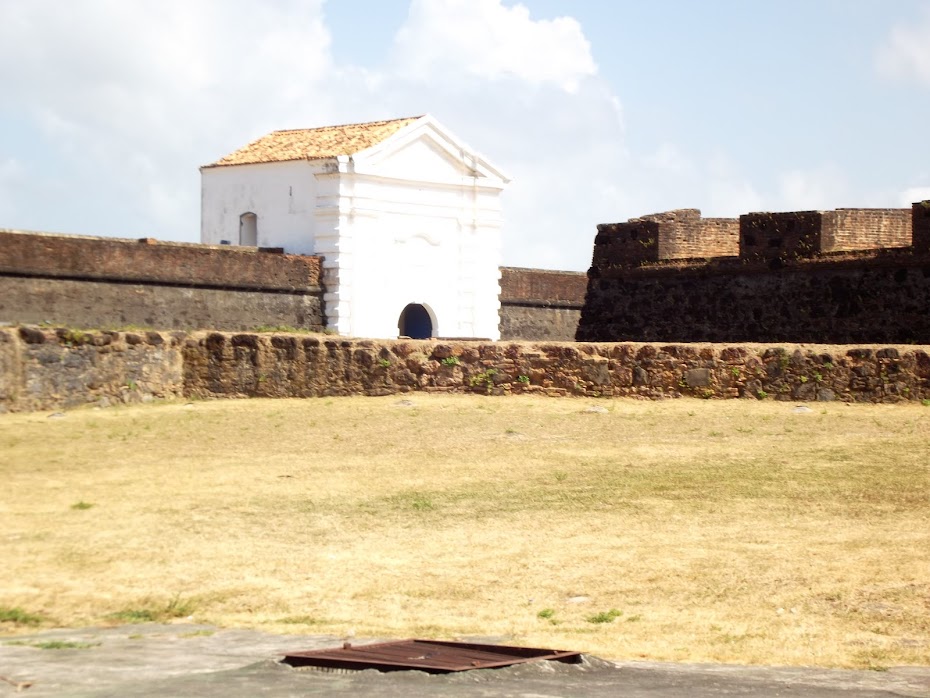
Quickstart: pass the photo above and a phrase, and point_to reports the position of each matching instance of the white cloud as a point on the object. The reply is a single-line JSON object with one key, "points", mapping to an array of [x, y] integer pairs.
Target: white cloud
{"points": [[487, 72], [905, 54], [11, 173], [668, 158], [129, 97], [669, 178], [913, 195], [813, 190], [135, 95], [485, 39], [731, 198], [565, 152], [726, 190]]}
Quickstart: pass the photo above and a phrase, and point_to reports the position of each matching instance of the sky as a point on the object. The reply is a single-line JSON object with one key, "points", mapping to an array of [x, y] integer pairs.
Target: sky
{"points": [[600, 110]]}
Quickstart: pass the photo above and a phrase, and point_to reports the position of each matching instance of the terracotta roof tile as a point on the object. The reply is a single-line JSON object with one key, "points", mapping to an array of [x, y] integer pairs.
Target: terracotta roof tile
{"points": [[314, 143]]}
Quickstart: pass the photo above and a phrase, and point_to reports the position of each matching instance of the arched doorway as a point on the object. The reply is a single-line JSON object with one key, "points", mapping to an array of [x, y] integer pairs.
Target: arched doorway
{"points": [[248, 230], [415, 322]]}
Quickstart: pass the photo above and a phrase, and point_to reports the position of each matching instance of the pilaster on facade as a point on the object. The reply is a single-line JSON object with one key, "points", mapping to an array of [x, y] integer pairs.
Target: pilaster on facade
{"points": [[405, 215]]}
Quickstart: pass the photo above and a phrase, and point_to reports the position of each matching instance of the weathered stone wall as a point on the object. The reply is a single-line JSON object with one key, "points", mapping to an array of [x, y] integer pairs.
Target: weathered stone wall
{"points": [[105, 282], [112, 305], [539, 304], [51, 369], [885, 298], [780, 236], [789, 283], [539, 323]]}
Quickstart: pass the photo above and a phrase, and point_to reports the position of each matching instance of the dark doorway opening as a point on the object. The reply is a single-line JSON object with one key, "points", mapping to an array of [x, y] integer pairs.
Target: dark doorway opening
{"points": [[415, 322]]}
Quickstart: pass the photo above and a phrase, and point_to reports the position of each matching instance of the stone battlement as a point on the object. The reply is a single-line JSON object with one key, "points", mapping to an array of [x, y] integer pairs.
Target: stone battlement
{"points": [[841, 277], [684, 235]]}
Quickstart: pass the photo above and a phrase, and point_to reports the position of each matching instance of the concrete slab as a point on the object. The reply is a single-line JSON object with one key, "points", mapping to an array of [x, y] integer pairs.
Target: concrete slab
{"points": [[201, 661]]}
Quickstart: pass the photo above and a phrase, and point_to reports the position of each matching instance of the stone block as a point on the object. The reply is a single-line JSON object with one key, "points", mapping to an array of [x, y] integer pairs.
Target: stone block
{"points": [[698, 377]]}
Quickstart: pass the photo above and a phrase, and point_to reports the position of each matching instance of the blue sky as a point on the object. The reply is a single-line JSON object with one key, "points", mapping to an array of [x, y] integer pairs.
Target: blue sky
{"points": [[600, 110]]}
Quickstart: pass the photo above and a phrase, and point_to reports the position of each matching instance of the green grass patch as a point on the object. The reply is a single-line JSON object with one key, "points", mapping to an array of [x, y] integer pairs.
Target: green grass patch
{"points": [[18, 616], [605, 616], [301, 620], [55, 644], [176, 608]]}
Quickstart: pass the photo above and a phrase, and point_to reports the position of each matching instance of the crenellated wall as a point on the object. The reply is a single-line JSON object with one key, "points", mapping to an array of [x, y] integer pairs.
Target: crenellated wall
{"points": [[846, 277], [679, 234], [44, 369]]}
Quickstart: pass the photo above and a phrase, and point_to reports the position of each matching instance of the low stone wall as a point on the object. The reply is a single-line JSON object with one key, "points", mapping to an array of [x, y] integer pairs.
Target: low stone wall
{"points": [[44, 369], [52, 369]]}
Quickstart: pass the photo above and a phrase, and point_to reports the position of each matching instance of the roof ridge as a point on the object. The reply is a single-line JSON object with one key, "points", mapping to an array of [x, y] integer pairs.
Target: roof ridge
{"points": [[354, 123], [316, 143]]}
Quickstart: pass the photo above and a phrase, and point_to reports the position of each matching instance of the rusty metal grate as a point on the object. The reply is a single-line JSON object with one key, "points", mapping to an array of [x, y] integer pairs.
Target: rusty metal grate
{"points": [[431, 656]]}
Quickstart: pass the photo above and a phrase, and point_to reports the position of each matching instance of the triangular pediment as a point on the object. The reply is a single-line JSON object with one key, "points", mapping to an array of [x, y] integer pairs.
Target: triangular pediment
{"points": [[425, 151]]}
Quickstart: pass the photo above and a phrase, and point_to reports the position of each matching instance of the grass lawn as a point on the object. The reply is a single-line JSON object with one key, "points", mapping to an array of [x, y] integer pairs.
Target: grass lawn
{"points": [[686, 530]]}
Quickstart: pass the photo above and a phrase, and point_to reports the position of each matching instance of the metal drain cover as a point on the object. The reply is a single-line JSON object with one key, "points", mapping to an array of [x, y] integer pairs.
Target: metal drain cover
{"points": [[431, 656]]}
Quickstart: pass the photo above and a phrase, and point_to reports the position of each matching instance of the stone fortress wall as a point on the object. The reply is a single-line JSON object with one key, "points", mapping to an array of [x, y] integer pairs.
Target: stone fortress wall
{"points": [[841, 277], [541, 305], [106, 282], [109, 283], [45, 369]]}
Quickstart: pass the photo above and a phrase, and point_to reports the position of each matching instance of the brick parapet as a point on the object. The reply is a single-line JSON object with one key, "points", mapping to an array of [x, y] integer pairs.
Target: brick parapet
{"points": [[846, 229], [155, 262], [763, 236], [543, 287], [685, 235]]}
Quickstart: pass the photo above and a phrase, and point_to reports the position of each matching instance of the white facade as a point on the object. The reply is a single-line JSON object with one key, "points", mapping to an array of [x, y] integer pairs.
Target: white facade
{"points": [[414, 219]]}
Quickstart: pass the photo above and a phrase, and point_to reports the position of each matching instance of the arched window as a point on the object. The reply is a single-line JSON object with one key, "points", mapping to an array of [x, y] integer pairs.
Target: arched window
{"points": [[416, 322], [248, 229]]}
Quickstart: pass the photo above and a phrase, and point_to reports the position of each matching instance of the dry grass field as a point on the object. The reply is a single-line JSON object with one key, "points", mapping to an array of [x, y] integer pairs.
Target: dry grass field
{"points": [[736, 531]]}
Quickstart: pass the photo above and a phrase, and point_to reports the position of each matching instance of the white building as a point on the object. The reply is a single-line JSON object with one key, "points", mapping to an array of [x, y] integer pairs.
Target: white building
{"points": [[406, 217]]}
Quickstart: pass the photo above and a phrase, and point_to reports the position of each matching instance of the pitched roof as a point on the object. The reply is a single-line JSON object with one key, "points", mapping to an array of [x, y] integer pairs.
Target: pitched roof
{"points": [[314, 143]]}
